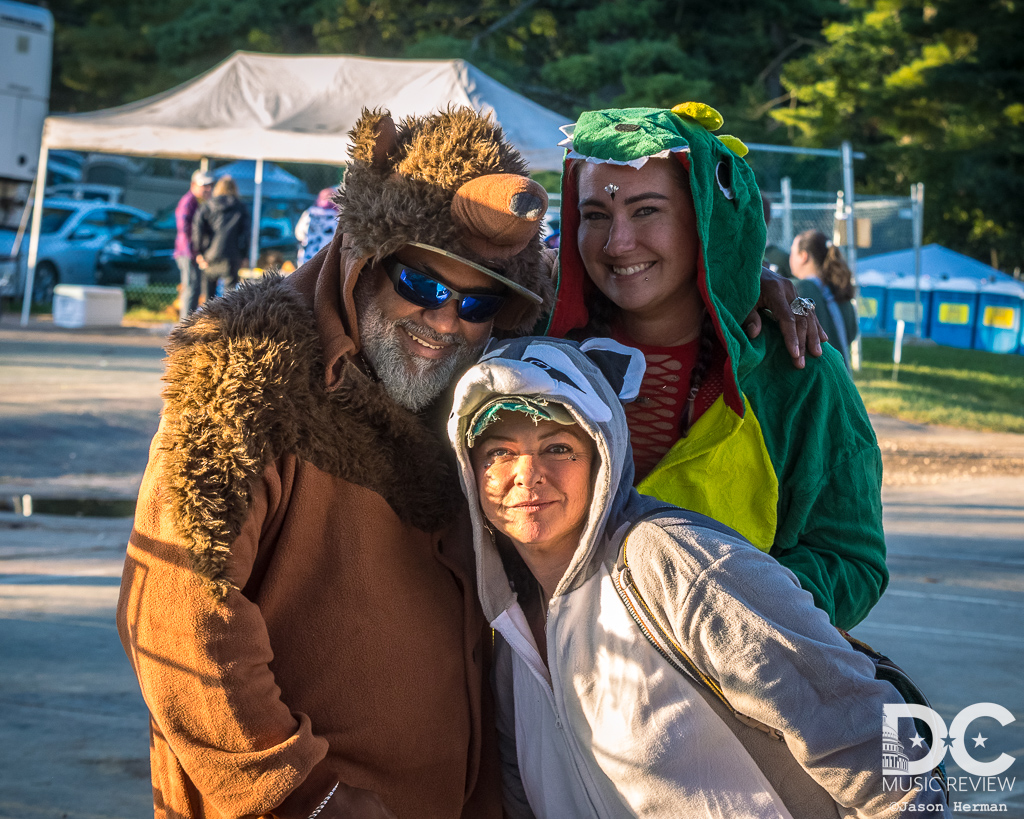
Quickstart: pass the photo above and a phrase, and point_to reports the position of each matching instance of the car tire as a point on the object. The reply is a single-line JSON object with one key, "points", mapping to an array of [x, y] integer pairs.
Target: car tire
{"points": [[45, 280]]}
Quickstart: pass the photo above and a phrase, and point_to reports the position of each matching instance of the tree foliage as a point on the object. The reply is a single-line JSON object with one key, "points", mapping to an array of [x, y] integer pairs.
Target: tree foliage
{"points": [[934, 93], [930, 89], [659, 53], [113, 51]]}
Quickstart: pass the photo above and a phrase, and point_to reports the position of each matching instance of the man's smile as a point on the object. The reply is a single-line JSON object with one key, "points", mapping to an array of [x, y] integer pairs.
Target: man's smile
{"points": [[423, 342]]}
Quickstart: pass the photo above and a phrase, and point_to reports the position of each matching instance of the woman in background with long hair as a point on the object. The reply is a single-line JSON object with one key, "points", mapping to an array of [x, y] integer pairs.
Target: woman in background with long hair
{"points": [[824, 277], [220, 236]]}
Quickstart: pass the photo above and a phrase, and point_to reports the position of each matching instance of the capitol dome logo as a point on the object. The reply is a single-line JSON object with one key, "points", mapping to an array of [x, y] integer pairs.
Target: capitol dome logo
{"points": [[895, 761]]}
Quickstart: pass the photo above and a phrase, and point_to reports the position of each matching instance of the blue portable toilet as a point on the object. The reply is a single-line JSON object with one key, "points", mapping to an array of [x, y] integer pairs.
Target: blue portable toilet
{"points": [[871, 285], [999, 317], [954, 312], [901, 304]]}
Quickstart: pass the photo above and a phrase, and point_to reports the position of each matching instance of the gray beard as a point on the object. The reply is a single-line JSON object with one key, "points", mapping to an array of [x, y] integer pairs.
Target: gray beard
{"points": [[411, 381]]}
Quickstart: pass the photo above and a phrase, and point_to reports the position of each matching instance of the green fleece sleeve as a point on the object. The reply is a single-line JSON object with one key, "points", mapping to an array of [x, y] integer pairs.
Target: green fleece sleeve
{"points": [[818, 435], [839, 557]]}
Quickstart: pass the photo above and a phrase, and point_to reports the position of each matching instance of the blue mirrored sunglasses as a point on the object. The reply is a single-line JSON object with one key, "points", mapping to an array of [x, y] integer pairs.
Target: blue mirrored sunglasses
{"points": [[427, 292]]}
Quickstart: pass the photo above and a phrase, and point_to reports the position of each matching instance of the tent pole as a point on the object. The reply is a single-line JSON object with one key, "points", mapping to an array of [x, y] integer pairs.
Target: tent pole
{"points": [[257, 204], [26, 212], [33, 240]]}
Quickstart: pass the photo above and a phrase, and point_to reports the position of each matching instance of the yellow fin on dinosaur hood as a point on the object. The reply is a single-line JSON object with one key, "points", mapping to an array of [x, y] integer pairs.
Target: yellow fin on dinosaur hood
{"points": [[704, 114], [734, 144]]}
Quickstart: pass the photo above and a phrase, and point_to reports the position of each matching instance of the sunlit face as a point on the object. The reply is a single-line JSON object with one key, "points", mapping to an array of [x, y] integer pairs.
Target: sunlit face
{"points": [[534, 482], [638, 239], [416, 352], [800, 264]]}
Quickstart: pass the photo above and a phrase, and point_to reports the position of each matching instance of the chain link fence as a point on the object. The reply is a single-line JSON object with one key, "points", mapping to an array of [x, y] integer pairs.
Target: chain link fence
{"points": [[153, 298], [884, 224], [144, 300], [814, 181], [809, 173]]}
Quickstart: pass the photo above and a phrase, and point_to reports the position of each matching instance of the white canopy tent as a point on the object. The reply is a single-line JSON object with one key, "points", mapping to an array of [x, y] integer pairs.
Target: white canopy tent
{"points": [[292, 109]]}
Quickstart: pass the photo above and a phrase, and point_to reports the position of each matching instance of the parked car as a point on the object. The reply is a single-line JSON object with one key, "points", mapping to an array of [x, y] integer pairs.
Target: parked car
{"points": [[140, 256], [144, 255], [60, 173], [72, 234], [87, 190]]}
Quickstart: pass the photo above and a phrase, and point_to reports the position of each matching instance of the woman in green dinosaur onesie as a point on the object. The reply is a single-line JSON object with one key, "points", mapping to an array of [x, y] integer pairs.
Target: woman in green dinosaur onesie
{"points": [[662, 239]]}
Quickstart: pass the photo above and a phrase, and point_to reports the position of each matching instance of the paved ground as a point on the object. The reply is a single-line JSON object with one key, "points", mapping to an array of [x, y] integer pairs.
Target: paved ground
{"points": [[77, 410]]}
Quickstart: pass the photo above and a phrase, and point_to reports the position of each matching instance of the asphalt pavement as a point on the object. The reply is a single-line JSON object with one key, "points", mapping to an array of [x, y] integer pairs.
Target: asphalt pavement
{"points": [[77, 411]]}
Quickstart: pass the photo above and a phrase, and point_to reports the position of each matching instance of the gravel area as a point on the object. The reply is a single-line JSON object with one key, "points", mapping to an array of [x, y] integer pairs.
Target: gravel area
{"points": [[924, 454]]}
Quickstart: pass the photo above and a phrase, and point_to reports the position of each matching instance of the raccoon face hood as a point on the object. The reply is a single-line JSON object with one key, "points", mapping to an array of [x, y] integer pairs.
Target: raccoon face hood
{"points": [[589, 381], [730, 218]]}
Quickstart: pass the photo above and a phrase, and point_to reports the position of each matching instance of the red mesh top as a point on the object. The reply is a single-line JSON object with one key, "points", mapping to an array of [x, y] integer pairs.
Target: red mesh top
{"points": [[654, 416]]}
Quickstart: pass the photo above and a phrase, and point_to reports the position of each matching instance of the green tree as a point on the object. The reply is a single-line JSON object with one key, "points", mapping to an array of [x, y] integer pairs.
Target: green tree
{"points": [[728, 54], [934, 93], [109, 52], [101, 51]]}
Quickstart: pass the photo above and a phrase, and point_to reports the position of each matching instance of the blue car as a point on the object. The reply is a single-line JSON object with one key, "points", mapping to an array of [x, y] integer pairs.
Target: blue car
{"points": [[73, 233]]}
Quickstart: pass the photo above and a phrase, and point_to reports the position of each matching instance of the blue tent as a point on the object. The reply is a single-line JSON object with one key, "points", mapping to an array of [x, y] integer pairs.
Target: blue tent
{"points": [[277, 182], [937, 262]]}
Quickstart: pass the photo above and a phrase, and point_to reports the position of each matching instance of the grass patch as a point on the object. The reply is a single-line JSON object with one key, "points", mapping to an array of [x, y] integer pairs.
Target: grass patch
{"points": [[12, 306], [145, 315], [154, 303], [971, 389]]}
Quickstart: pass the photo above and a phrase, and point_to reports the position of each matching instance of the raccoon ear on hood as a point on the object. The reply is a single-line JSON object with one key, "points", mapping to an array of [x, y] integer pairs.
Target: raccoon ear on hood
{"points": [[622, 366], [374, 139]]}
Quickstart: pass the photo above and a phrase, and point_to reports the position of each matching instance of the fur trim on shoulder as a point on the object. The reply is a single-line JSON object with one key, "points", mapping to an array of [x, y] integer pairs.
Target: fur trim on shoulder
{"points": [[245, 385]]}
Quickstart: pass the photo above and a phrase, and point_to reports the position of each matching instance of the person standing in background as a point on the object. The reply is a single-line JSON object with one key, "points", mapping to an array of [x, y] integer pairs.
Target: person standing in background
{"points": [[220, 236], [316, 226], [824, 277], [184, 255]]}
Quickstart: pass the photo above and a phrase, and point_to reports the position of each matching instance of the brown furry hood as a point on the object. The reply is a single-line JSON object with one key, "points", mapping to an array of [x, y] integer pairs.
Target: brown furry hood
{"points": [[400, 185], [246, 385]]}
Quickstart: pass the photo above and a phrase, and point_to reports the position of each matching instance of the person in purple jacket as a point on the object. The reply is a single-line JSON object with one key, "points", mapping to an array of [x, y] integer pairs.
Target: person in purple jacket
{"points": [[184, 253]]}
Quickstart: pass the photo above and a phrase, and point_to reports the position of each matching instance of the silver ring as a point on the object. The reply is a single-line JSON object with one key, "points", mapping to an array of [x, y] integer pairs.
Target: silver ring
{"points": [[801, 306]]}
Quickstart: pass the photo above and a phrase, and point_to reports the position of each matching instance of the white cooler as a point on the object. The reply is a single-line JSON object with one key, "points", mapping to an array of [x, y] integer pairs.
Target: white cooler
{"points": [[82, 305]]}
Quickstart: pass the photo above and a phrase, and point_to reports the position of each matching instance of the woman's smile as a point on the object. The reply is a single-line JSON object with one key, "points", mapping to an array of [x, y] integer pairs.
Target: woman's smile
{"points": [[632, 269]]}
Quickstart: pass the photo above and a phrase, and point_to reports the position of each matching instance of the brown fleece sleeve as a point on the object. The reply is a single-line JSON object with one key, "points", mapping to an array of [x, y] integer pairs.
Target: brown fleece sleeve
{"points": [[203, 668]]}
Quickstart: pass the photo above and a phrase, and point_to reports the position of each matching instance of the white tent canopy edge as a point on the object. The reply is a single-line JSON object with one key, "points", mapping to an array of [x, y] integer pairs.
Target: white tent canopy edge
{"points": [[290, 108]]}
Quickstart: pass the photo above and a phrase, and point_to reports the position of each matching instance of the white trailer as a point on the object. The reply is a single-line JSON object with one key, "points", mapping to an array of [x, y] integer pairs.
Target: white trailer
{"points": [[26, 46]]}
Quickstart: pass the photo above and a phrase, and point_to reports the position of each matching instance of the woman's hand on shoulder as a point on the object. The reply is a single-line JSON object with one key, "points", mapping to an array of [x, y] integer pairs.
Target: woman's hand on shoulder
{"points": [[803, 334]]}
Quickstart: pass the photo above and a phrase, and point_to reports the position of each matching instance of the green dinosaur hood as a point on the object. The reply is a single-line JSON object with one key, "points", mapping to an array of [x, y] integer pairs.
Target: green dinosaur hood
{"points": [[730, 218]]}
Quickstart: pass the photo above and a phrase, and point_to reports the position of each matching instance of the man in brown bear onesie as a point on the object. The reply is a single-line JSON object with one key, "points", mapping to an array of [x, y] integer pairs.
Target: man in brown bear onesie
{"points": [[298, 599]]}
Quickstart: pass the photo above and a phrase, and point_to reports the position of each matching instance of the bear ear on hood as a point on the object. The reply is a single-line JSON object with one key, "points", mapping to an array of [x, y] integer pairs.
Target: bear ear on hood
{"points": [[374, 138], [622, 366]]}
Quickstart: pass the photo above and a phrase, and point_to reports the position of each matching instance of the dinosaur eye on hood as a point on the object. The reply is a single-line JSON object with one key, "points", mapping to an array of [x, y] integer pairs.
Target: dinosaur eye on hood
{"points": [[723, 176]]}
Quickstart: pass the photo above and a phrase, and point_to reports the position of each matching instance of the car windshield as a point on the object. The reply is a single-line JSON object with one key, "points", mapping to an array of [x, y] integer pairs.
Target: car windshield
{"points": [[164, 220], [54, 219]]}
